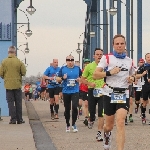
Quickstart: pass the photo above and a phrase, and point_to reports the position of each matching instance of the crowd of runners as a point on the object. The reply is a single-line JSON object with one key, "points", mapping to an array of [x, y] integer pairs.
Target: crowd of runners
{"points": [[104, 88]]}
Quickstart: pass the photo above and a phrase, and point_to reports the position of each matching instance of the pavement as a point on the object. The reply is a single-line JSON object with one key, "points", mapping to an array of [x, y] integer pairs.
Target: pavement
{"points": [[41, 133], [16, 137], [137, 135]]}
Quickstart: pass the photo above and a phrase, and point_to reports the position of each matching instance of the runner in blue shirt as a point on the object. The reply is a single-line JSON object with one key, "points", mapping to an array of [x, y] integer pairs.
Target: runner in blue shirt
{"points": [[53, 87], [70, 75], [38, 87]]}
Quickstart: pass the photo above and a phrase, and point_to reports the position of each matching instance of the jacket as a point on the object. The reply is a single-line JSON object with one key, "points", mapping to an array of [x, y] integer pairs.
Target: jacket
{"points": [[12, 70]]}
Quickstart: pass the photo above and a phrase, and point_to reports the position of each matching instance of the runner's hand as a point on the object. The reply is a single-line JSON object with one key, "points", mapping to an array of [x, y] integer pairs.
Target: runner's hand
{"points": [[78, 79], [130, 79], [93, 85], [115, 70], [148, 80], [65, 76], [144, 73], [58, 79]]}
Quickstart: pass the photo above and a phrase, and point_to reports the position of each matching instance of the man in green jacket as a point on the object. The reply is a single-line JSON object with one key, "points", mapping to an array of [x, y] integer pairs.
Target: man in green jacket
{"points": [[12, 70]]}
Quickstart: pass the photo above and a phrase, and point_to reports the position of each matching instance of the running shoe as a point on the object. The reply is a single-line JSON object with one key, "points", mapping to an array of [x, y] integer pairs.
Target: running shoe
{"points": [[74, 128], [130, 119], [90, 125], [99, 137], [107, 141], [68, 129]]}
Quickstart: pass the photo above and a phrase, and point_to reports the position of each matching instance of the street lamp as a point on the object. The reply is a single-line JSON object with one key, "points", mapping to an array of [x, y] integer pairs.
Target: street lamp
{"points": [[31, 10], [26, 49], [79, 50], [113, 10], [28, 32]]}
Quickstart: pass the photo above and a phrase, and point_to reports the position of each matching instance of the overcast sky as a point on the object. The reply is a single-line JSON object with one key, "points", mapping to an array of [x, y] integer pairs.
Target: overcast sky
{"points": [[56, 27]]}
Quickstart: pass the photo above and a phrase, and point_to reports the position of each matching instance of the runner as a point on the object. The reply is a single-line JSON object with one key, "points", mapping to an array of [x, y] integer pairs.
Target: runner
{"points": [[131, 96], [70, 75], [27, 91], [30, 92], [138, 87], [51, 73], [38, 87], [43, 88], [84, 96], [119, 70], [144, 71], [94, 93]]}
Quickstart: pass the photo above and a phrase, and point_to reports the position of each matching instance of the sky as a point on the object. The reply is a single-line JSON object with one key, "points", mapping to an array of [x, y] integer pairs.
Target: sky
{"points": [[57, 25]]}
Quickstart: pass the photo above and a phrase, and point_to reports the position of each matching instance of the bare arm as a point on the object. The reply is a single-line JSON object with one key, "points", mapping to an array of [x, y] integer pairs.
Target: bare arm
{"points": [[99, 74], [138, 76]]}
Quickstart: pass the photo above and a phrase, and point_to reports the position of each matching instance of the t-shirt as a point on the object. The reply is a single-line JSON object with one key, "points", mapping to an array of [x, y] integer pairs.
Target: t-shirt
{"points": [[83, 87], [88, 73], [38, 85], [52, 72], [70, 85], [27, 88], [118, 80], [143, 68], [140, 81]]}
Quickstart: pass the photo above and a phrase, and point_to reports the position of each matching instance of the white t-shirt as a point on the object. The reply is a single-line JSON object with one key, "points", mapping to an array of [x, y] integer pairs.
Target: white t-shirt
{"points": [[118, 80]]}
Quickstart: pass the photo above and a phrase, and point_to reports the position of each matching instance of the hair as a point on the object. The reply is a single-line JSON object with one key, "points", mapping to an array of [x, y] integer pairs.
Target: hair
{"points": [[70, 55], [146, 55], [12, 49], [97, 49], [118, 35]]}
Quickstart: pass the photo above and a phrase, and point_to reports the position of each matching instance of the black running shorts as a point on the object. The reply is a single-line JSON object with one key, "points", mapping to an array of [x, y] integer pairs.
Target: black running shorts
{"points": [[111, 108], [53, 91], [83, 95], [146, 92]]}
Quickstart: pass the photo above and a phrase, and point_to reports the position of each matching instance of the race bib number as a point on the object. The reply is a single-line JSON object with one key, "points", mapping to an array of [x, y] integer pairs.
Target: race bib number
{"points": [[118, 98], [71, 82], [97, 92], [139, 89]]}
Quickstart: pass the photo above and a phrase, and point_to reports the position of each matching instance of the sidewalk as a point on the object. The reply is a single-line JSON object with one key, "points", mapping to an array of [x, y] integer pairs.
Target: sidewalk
{"points": [[137, 135], [16, 137]]}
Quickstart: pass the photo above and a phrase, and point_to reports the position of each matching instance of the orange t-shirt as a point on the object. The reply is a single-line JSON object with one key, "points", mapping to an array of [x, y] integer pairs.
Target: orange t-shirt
{"points": [[26, 88]]}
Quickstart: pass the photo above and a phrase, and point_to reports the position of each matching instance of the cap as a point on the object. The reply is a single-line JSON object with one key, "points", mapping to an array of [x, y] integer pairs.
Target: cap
{"points": [[86, 60], [141, 60]]}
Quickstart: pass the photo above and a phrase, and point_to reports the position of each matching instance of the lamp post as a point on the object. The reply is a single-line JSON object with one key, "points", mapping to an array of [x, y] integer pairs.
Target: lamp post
{"points": [[26, 49], [31, 10], [79, 50], [28, 31]]}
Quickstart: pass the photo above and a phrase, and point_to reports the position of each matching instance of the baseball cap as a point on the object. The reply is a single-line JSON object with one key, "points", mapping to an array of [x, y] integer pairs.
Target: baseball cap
{"points": [[86, 60], [141, 60]]}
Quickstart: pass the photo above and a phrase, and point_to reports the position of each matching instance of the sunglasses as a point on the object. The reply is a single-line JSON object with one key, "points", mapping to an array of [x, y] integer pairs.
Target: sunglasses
{"points": [[69, 59]]}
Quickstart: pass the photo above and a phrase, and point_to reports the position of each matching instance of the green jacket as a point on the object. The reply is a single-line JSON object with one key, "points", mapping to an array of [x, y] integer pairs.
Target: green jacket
{"points": [[12, 70]]}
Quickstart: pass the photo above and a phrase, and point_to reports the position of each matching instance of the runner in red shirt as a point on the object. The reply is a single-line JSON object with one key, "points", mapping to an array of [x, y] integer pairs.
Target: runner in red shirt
{"points": [[83, 100], [27, 91]]}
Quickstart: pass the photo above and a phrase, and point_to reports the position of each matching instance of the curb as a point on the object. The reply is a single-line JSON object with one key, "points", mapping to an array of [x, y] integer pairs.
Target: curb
{"points": [[41, 137]]}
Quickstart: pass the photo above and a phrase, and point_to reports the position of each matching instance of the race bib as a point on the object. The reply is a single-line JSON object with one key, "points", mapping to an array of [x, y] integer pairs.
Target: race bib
{"points": [[118, 98], [97, 92], [71, 82], [139, 89]]}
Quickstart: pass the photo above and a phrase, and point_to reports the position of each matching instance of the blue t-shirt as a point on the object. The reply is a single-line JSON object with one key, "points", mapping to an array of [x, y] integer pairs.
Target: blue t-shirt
{"points": [[52, 72], [70, 85], [38, 85]]}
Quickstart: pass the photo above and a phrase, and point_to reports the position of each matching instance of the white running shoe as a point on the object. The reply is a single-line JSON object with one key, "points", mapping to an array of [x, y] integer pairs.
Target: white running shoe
{"points": [[74, 128], [68, 129], [107, 141]]}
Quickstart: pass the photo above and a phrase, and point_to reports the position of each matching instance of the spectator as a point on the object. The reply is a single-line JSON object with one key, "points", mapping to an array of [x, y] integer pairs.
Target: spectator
{"points": [[12, 70]]}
